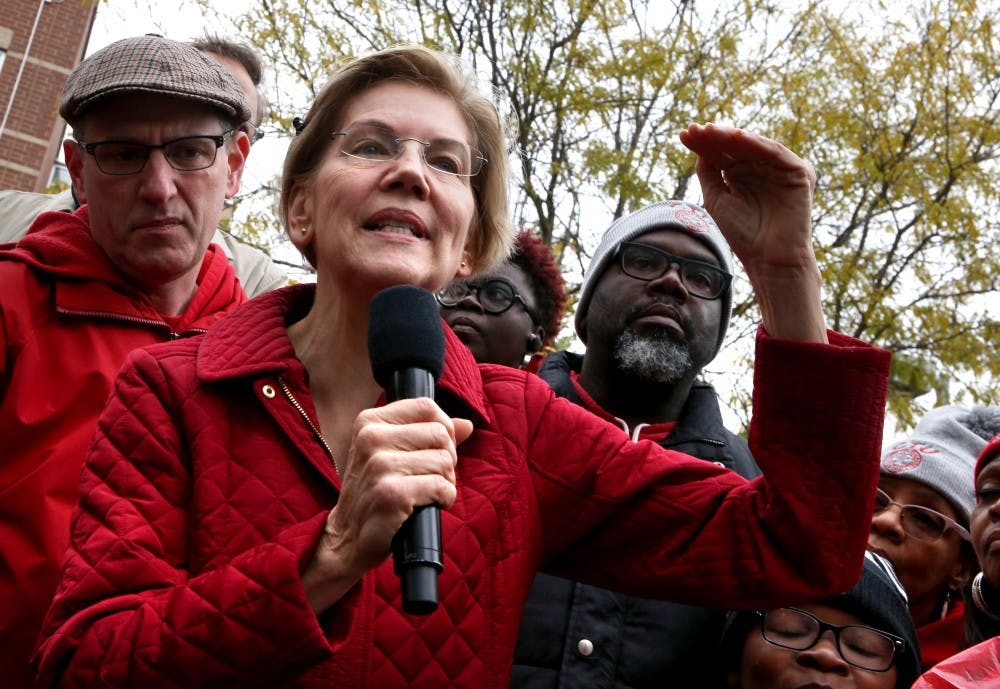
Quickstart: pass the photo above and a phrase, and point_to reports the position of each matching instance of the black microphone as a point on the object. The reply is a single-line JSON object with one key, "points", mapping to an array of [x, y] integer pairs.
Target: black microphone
{"points": [[406, 348]]}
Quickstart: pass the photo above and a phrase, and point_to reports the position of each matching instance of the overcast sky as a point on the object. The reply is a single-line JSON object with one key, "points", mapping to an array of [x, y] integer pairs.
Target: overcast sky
{"points": [[182, 20]]}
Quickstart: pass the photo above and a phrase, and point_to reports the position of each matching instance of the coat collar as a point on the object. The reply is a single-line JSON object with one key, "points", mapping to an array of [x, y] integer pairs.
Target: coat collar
{"points": [[88, 285], [253, 340]]}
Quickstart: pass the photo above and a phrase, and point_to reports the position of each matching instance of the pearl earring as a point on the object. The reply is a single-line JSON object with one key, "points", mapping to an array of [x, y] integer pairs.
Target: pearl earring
{"points": [[304, 229]]}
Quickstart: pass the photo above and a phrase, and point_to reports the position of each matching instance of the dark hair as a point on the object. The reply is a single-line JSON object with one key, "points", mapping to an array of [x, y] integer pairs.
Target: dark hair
{"points": [[243, 54], [535, 258]]}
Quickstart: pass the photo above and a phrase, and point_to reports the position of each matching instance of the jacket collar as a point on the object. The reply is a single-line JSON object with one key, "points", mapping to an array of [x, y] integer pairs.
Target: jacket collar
{"points": [[700, 418], [88, 285], [253, 340]]}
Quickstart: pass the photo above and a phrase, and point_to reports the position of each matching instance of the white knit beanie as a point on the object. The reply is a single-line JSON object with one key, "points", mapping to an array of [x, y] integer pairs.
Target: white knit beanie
{"points": [[942, 450], [675, 215]]}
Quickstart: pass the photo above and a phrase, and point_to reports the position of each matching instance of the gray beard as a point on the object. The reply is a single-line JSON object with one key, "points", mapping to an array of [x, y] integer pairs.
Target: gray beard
{"points": [[655, 358]]}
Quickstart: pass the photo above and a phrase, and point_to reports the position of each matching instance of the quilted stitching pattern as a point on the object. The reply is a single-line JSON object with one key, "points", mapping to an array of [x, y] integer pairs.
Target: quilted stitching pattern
{"points": [[185, 561]]}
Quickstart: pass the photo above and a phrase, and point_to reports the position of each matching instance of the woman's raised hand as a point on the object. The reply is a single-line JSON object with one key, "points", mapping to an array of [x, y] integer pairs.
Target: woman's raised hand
{"points": [[760, 195]]}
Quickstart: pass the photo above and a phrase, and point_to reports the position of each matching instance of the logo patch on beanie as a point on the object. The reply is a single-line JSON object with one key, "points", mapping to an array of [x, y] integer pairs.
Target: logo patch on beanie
{"points": [[692, 219], [906, 457]]}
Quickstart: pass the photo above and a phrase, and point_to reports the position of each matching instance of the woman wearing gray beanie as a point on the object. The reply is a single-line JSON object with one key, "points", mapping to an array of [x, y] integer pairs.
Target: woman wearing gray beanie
{"points": [[921, 519], [979, 666]]}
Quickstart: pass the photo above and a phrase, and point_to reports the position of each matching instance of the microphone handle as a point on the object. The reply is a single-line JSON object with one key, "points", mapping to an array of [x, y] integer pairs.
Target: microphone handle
{"points": [[416, 547]]}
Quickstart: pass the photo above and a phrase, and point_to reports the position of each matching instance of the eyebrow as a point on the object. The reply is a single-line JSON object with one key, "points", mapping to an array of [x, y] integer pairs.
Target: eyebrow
{"points": [[384, 125]]}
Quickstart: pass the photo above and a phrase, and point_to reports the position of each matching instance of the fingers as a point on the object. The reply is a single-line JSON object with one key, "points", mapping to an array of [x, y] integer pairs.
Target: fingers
{"points": [[463, 429], [405, 438], [736, 153]]}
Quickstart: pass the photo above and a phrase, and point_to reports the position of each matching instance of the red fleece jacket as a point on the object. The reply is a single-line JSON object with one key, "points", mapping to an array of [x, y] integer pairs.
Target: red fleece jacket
{"points": [[67, 321]]}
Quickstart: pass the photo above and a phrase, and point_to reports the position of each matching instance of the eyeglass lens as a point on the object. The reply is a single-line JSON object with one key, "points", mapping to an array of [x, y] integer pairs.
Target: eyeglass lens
{"points": [[863, 647], [648, 263], [920, 522], [381, 144], [495, 296], [186, 154]]}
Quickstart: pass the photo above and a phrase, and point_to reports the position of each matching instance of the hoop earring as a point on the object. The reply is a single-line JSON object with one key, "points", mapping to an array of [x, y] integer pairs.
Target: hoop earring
{"points": [[980, 600]]}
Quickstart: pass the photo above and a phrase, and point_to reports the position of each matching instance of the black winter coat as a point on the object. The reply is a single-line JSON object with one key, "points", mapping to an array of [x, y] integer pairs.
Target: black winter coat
{"points": [[575, 636]]}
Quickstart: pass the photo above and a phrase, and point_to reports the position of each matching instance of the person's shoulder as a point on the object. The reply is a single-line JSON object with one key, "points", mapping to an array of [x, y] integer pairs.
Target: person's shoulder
{"points": [[18, 209], [514, 387], [183, 348], [257, 271]]}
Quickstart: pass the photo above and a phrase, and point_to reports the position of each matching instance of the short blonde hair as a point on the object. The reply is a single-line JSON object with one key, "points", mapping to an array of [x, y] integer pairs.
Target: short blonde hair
{"points": [[491, 236]]}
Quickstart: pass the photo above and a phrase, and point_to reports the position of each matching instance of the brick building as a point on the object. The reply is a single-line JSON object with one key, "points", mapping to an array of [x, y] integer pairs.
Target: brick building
{"points": [[47, 37]]}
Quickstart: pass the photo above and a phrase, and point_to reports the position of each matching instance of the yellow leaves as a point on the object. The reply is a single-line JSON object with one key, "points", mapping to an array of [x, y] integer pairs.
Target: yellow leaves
{"points": [[897, 108]]}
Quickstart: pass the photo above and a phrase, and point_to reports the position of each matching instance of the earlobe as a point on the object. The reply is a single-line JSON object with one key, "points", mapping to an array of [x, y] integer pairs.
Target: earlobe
{"points": [[238, 151], [465, 266], [300, 216], [74, 163], [963, 572], [535, 339]]}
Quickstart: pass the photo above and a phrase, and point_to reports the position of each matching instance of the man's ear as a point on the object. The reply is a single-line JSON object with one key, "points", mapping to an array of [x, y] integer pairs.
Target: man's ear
{"points": [[238, 150], [73, 154]]}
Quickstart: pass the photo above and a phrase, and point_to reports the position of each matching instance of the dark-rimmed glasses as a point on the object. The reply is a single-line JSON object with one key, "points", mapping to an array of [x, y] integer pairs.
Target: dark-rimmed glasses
{"points": [[377, 144], [187, 154], [923, 523], [861, 646], [495, 295], [647, 263]]}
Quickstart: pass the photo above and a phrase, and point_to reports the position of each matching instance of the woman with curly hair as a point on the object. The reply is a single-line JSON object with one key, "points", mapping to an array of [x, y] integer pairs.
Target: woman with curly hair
{"points": [[511, 314]]}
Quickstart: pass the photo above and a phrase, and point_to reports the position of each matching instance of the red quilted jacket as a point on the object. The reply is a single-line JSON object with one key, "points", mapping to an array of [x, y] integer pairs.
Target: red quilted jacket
{"points": [[206, 489], [67, 321]]}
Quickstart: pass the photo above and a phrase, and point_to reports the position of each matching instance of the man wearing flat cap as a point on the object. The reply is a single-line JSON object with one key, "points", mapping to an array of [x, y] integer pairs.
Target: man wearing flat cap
{"points": [[158, 148], [653, 311]]}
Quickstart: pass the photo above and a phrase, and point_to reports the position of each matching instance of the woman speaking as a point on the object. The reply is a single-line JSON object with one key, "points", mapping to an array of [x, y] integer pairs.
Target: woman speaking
{"points": [[241, 496]]}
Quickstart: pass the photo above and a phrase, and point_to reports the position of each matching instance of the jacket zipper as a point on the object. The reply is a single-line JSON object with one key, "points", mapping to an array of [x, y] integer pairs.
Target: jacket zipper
{"points": [[132, 320], [302, 412]]}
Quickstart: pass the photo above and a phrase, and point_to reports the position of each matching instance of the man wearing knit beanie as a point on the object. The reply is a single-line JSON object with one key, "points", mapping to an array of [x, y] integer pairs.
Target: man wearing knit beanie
{"points": [[922, 515], [653, 311]]}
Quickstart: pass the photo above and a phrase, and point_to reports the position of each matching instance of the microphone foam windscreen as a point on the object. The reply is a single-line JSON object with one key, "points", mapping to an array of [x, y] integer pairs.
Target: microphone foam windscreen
{"points": [[404, 331]]}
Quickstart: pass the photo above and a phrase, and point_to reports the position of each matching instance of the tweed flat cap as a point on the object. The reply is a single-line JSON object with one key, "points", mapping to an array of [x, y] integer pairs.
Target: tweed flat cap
{"points": [[152, 65]]}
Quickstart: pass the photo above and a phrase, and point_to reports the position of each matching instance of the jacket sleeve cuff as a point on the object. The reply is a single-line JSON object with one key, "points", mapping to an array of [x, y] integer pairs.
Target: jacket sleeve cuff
{"points": [[853, 377]]}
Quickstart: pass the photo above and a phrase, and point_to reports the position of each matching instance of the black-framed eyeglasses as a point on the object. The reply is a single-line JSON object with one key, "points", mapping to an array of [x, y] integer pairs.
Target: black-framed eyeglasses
{"points": [[495, 295], [647, 263], [253, 132], [861, 646], [922, 523], [377, 144], [187, 154]]}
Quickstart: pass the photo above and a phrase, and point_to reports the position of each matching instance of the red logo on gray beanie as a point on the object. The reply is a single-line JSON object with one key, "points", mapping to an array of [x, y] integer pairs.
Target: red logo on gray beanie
{"points": [[905, 457], [693, 220]]}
